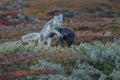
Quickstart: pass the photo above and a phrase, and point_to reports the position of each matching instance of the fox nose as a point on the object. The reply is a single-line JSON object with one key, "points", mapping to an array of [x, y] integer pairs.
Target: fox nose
{"points": [[59, 24]]}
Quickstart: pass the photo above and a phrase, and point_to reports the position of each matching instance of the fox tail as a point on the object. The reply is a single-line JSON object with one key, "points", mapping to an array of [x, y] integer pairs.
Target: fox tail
{"points": [[31, 36]]}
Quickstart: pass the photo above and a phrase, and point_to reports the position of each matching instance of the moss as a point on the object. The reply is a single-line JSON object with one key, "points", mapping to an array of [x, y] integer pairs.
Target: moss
{"points": [[68, 70], [1, 36], [106, 67]]}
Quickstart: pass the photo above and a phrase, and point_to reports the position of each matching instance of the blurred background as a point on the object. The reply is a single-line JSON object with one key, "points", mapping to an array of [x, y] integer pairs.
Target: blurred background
{"points": [[91, 19]]}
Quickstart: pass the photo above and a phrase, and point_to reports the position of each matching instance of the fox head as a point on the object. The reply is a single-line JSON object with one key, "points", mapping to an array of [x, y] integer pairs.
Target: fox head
{"points": [[58, 20]]}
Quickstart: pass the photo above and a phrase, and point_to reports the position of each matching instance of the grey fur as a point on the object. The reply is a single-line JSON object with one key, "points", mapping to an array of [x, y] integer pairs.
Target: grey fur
{"points": [[45, 34]]}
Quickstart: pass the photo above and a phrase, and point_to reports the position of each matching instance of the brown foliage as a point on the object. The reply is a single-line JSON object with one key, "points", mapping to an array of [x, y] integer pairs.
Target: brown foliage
{"points": [[93, 37], [21, 73], [18, 59], [10, 66]]}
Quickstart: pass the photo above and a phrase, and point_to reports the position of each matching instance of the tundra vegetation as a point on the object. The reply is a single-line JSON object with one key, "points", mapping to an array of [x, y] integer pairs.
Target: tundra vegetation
{"points": [[95, 55]]}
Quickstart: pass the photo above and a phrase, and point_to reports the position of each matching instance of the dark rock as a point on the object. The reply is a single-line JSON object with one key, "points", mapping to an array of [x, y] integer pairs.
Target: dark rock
{"points": [[14, 5], [69, 13], [109, 14], [21, 16], [32, 19], [10, 18]]}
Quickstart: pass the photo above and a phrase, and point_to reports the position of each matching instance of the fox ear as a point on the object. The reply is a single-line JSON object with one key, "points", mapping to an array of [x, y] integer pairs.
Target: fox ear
{"points": [[55, 20], [60, 17]]}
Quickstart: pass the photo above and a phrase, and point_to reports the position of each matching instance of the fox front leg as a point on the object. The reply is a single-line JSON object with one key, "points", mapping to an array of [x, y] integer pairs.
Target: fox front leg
{"points": [[56, 32], [41, 39], [48, 41]]}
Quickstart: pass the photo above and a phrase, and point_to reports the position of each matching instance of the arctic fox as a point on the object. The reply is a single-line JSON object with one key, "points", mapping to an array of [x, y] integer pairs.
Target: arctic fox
{"points": [[47, 30]]}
